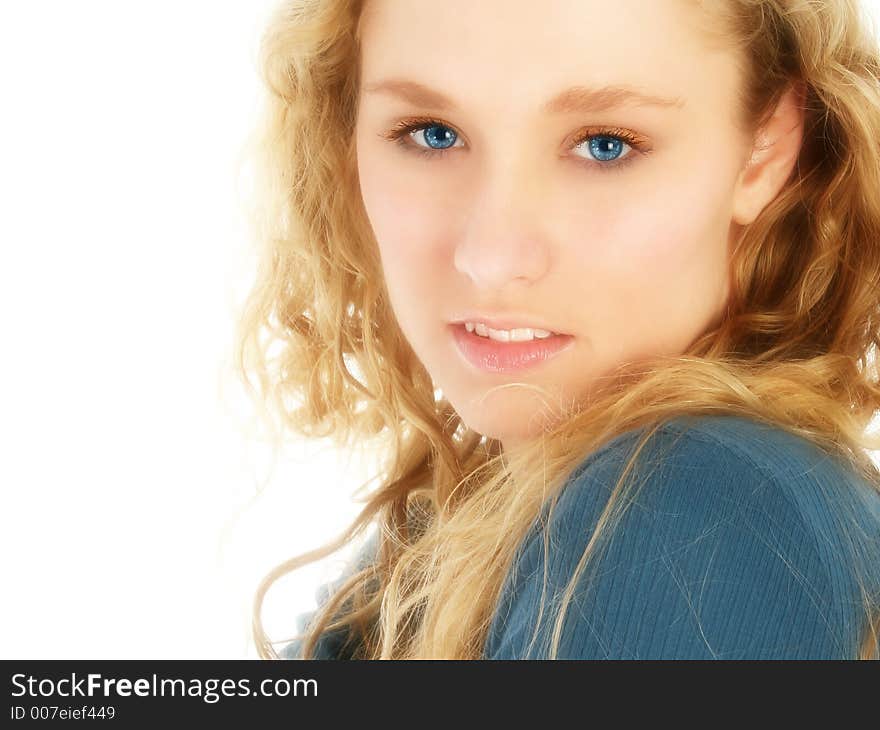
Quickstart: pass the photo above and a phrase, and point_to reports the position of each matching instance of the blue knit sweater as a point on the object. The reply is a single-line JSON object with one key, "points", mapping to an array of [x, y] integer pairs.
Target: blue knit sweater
{"points": [[744, 542]]}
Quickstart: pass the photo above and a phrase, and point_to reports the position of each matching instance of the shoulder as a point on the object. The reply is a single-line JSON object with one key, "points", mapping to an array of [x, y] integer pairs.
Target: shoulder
{"points": [[731, 545], [719, 463]]}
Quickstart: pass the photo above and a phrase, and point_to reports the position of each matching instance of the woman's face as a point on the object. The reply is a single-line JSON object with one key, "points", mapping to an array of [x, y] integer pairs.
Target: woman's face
{"points": [[593, 215]]}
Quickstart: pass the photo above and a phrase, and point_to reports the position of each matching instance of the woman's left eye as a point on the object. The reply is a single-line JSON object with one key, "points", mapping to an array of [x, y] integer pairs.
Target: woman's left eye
{"points": [[608, 148]]}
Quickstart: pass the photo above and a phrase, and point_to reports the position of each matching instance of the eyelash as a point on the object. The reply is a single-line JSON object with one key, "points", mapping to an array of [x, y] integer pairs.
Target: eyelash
{"points": [[399, 134]]}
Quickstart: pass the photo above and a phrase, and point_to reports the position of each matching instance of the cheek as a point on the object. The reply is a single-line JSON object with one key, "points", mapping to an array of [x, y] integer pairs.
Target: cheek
{"points": [[657, 269], [403, 200], [409, 226]]}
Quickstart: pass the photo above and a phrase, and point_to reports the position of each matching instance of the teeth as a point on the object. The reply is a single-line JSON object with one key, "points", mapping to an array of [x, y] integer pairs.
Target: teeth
{"points": [[520, 334]]}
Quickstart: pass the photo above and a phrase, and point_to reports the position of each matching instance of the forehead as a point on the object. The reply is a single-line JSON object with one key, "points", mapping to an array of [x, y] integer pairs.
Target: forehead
{"points": [[502, 54]]}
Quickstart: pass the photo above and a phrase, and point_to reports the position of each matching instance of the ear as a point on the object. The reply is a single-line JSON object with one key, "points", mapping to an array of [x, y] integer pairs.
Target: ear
{"points": [[774, 155]]}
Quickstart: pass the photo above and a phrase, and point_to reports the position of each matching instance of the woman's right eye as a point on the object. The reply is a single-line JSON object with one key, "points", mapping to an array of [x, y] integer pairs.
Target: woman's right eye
{"points": [[438, 137]]}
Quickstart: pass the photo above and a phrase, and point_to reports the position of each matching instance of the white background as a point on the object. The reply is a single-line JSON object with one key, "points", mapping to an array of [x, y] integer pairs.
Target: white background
{"points": [[137, 512]]}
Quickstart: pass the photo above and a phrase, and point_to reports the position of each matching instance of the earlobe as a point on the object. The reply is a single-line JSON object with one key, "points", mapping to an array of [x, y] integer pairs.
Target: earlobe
{"points": [[774, 156]]}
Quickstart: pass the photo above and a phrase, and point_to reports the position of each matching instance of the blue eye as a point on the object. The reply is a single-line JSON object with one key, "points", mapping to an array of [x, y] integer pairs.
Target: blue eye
{"points": [[443, 139], [607, 146]]}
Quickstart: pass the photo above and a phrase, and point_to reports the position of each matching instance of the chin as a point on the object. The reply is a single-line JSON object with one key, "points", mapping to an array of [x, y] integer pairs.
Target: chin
{"points": [[510, 420]]}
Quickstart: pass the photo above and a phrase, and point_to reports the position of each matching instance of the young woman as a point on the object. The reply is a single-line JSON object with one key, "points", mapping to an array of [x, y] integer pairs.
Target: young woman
{"points": [[604, 283]]}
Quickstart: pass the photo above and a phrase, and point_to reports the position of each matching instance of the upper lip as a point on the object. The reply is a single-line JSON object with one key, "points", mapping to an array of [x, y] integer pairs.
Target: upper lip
{"points": [[506, 321]]}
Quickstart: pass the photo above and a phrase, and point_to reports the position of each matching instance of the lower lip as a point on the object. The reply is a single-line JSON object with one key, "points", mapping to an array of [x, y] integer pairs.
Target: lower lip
{"points": [[503, 357]]}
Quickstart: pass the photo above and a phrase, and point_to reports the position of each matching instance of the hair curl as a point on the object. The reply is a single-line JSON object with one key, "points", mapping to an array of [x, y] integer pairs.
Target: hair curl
{"points": [[796, 349]]}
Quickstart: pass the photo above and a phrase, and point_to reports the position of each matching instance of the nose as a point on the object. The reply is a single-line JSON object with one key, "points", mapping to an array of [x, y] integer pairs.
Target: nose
{"points": [[503, 243]]}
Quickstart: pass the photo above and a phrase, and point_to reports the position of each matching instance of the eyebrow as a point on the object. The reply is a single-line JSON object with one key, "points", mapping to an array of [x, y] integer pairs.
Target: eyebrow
{"points": [[575, 99]]}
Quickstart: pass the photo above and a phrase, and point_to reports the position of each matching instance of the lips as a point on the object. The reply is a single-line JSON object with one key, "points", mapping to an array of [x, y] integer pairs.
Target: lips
{"points": [[499, 357]]}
